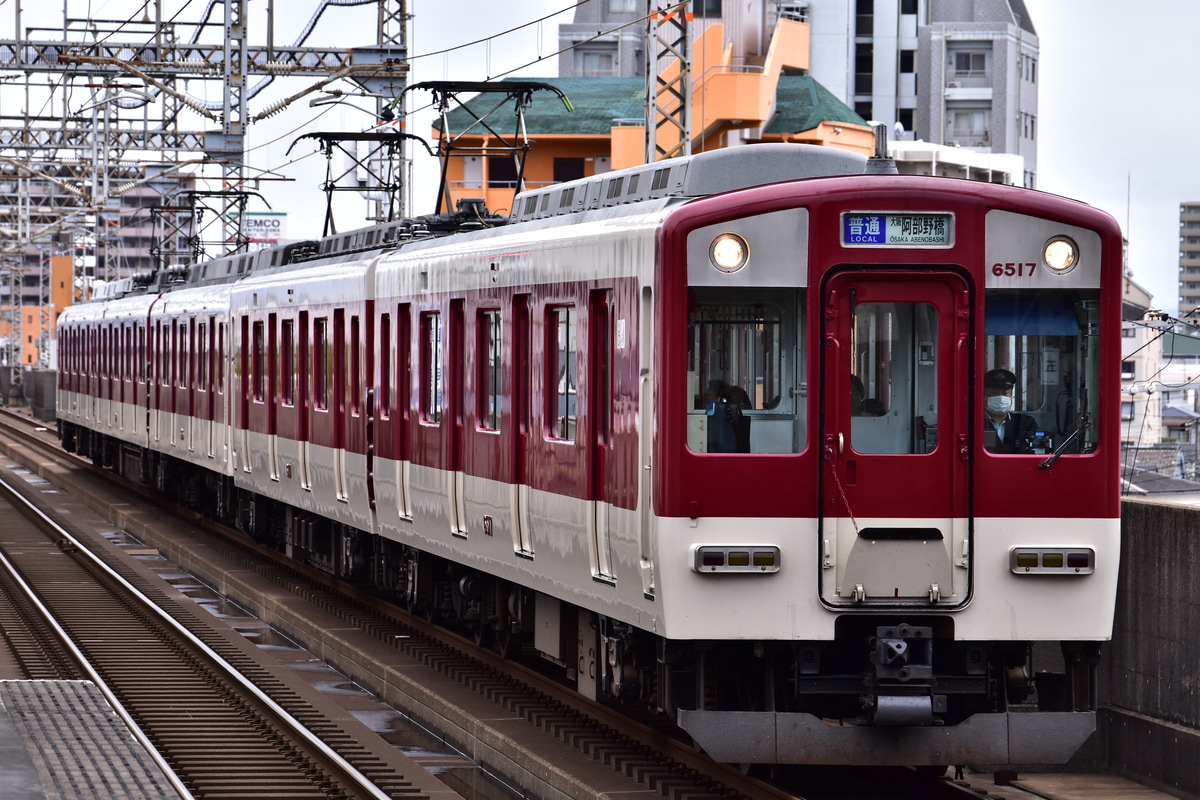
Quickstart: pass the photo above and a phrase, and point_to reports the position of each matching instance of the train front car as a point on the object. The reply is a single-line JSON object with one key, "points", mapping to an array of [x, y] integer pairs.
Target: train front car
{"points": [[863, 556]]}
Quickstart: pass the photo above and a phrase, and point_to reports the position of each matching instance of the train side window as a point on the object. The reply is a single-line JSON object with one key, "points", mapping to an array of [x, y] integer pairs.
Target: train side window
{"points": [[202, 357], [431, 367], [745, 378], [354, 367], [287, 362], [385, 366], [562, 375], [488, 381], [181, 374], [221, 359], [1048, 340], [258, 370], [320, 363], [404, 368], [169, 356]]}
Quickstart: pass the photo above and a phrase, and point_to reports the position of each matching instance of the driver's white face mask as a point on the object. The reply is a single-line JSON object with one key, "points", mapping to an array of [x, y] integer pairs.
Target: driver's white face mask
{"points": [[999, 404]]}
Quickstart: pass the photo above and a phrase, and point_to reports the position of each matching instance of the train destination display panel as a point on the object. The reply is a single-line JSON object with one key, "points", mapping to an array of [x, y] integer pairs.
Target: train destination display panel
{"points": [[860, 229]]}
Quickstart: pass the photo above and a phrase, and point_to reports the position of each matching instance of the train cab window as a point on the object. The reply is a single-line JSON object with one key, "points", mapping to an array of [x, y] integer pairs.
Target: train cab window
{"points": [[431, 367], [744, 375], [488, 359], [1046, 343], [893, 384], [560, 356]]}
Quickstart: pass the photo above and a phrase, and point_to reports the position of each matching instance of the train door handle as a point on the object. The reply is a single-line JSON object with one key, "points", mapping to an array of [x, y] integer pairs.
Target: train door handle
{"points": [[841, 440]]}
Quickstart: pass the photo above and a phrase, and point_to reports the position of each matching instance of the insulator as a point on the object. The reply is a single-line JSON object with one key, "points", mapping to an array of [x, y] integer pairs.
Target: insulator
{"points": [[272, 109]]}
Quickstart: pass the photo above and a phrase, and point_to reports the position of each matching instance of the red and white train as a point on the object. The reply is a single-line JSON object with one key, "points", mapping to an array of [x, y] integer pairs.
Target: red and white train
{"points": [[708, 433]]}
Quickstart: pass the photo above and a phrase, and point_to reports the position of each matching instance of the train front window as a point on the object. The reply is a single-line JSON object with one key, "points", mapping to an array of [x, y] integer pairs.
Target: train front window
{"points": [[744, 380], [893, 378], [1041, 350]]}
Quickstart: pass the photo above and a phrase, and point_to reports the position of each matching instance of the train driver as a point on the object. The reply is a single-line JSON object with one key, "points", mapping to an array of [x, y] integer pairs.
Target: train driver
{"points": [[1004, 430]]}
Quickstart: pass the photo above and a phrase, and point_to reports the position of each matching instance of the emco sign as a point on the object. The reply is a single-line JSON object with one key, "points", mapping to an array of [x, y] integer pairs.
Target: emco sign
{"points": [[264, 228]]}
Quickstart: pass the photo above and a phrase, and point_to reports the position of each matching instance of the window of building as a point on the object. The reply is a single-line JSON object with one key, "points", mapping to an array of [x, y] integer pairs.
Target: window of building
{"points": [[969, 126], [596, 63], [1126, 409], [706, 8], [863, 109], [908, 6], [970, 65], [567, 169], [623, 6], [1127, 370], [905, 117], [502, 172], [864, 68], [560, 355], [864, 17], [908, 61]]}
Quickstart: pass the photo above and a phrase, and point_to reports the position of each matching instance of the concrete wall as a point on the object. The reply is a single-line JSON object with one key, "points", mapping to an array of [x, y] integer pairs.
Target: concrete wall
{"points": [[36, 392], [1150, 673]]}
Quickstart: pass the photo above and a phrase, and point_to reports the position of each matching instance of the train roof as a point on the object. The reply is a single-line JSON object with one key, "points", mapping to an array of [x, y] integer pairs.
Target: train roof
{"points": [[698, 175], [713, 172]]}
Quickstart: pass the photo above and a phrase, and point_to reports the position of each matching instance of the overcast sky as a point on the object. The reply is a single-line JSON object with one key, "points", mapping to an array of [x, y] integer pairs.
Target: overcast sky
{"points": [[1119, 120], [1118, 117]]}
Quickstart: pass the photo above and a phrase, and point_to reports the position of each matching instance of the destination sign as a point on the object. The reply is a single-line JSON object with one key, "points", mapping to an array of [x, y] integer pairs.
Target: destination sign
{"points": [[897, 230]]}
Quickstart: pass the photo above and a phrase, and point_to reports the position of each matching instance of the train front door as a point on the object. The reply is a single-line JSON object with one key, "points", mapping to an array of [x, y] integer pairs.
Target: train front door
{"points": [[895, 440]]}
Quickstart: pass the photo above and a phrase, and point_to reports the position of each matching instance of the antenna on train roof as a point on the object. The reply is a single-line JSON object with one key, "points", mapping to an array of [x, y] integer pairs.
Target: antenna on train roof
{"points": [[881, 163]]}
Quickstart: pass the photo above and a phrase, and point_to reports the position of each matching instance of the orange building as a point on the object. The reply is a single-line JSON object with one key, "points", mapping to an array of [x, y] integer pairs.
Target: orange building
{"points": [[777, 102], [31, 323]]}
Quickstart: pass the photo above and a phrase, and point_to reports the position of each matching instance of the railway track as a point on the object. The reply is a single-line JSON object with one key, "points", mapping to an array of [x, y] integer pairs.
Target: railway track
{"points": [[222, 724], [519, 724]]}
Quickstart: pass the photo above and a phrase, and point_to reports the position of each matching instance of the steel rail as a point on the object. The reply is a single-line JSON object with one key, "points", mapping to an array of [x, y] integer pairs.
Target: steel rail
{"points": [[292, 726]]}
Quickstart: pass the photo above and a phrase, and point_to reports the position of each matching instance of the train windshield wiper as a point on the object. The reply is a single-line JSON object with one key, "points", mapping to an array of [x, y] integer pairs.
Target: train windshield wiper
{"points": [[1058, 451]]}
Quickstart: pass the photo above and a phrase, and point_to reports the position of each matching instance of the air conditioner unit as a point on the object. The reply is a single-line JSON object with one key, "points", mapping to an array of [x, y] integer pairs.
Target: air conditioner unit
{"points": [[953, 85]]}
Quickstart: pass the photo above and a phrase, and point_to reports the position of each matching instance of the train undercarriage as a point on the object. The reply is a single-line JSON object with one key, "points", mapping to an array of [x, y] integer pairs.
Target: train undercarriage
{"points": [[744, 701]]}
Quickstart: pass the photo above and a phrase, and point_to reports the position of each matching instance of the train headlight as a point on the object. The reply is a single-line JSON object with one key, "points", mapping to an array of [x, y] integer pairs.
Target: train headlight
{"points": [[729, 252], [1052, 560], [1060, 254]]}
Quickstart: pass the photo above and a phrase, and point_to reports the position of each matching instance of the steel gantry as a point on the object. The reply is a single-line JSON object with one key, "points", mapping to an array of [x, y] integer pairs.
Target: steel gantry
{"points": [[100, 115]]}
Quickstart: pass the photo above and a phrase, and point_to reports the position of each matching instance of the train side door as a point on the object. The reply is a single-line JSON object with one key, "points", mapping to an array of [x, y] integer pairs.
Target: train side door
{"points": [[454, 440], [895, 440], [599, 429], [521, 359]]}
